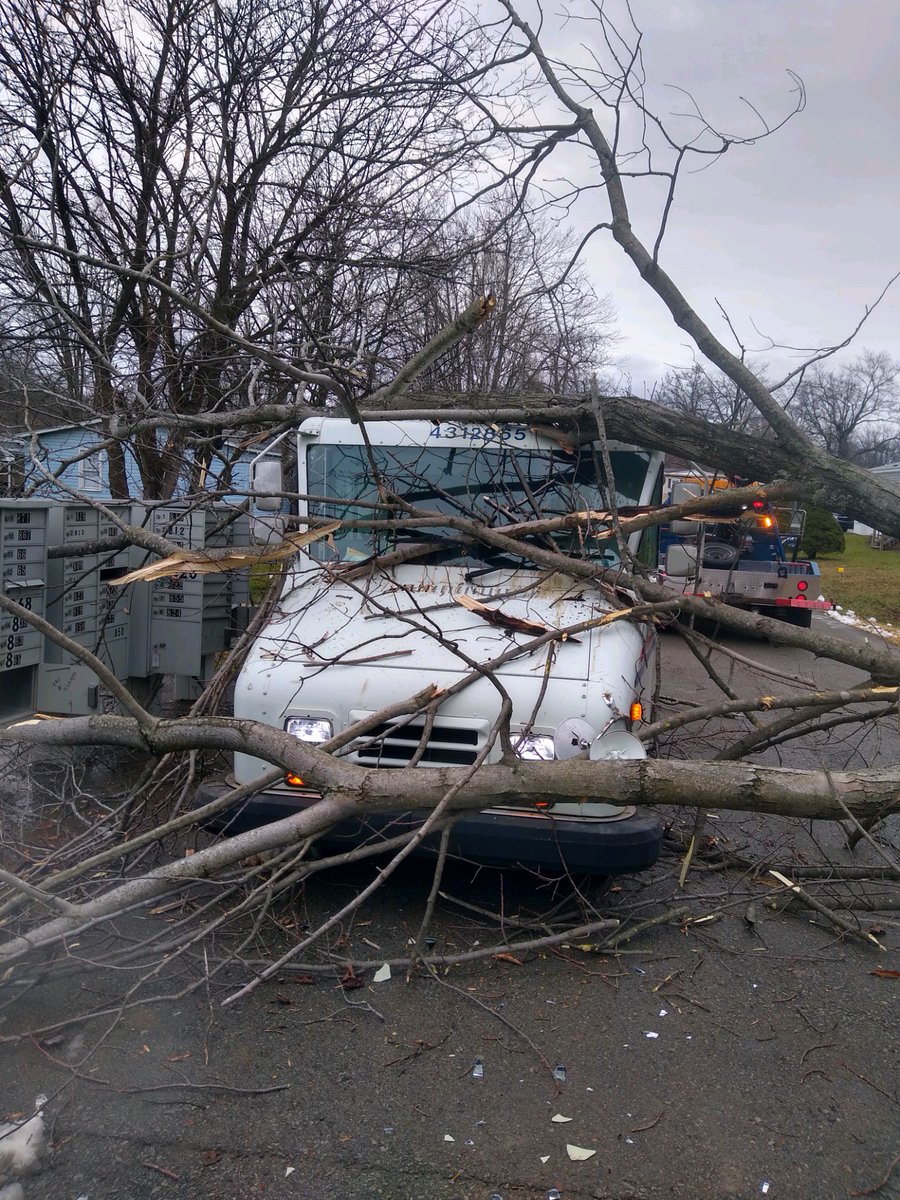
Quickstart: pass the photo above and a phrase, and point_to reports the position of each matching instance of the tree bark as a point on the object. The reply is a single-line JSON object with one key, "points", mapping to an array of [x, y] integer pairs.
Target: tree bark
{"points": [[744, 787]]}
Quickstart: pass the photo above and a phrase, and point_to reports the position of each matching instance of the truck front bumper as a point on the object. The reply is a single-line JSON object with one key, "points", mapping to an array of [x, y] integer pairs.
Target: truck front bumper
{"points": [[497, 837]]}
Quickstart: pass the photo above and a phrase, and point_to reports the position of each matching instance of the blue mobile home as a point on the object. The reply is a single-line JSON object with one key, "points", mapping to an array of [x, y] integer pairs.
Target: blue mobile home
{"points": [[226, 474]]}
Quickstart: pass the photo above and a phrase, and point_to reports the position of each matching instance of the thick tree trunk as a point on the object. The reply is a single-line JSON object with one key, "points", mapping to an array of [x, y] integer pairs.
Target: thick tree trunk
{"points": [[831, 482], [739, 786]]}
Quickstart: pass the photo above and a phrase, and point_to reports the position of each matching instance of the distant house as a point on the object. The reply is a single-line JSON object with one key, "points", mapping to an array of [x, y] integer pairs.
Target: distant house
{"points": [[890, 472], [57, 446], [10, 466]]}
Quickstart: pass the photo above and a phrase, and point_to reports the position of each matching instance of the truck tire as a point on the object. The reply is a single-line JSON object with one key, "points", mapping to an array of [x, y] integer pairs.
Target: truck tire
{"points": [[720, 555]]}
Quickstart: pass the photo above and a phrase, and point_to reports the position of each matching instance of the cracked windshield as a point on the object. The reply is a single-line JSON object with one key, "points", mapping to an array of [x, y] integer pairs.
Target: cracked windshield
{"points": [[497, 486]]}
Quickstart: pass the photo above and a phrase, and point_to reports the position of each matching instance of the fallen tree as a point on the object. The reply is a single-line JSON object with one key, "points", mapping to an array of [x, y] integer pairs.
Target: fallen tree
{"points": [[65, 881]]}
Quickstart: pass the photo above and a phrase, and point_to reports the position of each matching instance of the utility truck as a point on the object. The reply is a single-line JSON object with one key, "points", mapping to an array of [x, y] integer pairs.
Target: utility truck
{"points": [[378, 610], [738, 555]]}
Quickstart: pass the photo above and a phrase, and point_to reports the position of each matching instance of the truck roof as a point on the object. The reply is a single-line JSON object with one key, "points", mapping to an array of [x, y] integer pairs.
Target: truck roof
{"points": [[387, 432]]}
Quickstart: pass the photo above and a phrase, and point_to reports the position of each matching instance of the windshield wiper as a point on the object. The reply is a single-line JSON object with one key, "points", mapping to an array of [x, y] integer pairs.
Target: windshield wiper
{"points": [[496, 559], [463, 549]]}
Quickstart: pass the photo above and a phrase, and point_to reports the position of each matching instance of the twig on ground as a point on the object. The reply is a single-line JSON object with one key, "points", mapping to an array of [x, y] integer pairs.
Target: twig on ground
{"points": [[494, 916], [820, 1046], [500, 1017], [432, 898], [823, 909], [649, 1125], [881, 1090], [872, 1191], [620, 939], [162, 1170]]}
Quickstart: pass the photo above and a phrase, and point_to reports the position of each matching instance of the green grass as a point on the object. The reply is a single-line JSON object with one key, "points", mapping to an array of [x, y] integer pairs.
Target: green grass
{"points": [[869, 582]]}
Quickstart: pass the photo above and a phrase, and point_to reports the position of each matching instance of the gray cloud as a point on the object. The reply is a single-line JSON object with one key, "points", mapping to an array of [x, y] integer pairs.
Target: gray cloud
{"points": [[796, 234]]}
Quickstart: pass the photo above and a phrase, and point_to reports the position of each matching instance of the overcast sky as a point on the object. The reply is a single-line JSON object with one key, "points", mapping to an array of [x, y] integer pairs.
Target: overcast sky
{"points": [[796, 234]]}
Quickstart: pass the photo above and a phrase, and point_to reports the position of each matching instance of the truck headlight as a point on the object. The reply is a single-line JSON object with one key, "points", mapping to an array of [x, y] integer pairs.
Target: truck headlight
{"points": [[535, 748], [315, 730]]}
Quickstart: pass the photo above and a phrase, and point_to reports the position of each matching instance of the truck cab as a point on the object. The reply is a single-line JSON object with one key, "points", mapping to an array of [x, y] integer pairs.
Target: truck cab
{"points": [[380, 608]]}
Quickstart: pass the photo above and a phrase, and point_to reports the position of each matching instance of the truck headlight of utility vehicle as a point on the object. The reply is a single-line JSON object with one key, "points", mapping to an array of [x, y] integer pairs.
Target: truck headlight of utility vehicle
{"points": [[315, 730], [535, 748]]}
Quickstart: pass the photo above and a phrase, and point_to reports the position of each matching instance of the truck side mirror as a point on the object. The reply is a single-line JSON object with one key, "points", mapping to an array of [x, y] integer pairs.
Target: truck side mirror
{"points": [[682, 492], [266, 485], [681, 561]]}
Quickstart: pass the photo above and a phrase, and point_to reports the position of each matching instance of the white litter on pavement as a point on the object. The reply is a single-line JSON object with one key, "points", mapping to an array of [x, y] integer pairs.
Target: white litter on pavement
{"points": [[579, 1153], [382, 975], [22, 1145], [868, 624], [560, 1119]]}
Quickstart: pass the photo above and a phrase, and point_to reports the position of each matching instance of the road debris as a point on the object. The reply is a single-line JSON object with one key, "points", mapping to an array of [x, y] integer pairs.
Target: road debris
{"points": [[579, 1153], [649, 1125], [349, 981], [559, 1073], [383, 974], [478, 1069], [835, 918], [151, 1166], [23, 1144], [559, 1119]]}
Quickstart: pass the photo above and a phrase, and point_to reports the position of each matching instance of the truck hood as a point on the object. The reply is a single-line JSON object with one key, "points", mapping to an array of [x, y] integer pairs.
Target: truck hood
{"points": [[416, 618]]}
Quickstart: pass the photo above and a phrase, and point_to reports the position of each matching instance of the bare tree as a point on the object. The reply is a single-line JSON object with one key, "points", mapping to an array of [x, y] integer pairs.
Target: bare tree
{"points": [[700, 392], [162, 166], [550, 332], [846, 408]]}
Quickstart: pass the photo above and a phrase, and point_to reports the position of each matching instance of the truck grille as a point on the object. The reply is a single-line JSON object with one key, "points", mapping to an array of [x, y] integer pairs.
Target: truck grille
{"points": [[448, 745]]}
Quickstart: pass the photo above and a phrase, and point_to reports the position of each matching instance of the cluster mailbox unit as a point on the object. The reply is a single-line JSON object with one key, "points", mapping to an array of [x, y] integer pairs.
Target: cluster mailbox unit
{"points": [[24, 577], [173, 625]]}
